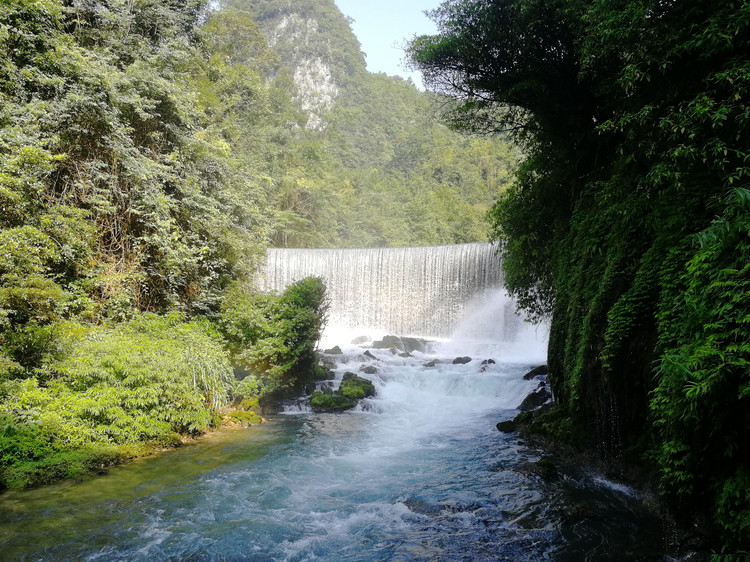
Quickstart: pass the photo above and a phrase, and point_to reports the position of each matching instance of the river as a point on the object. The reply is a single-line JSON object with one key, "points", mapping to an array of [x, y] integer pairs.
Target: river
{"points": [[418, 472]]}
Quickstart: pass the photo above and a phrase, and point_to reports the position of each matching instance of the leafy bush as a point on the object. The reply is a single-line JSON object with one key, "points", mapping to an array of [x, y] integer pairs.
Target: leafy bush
{"points": [[138, 382], [273, 337], [702, 402], [629, 219]]}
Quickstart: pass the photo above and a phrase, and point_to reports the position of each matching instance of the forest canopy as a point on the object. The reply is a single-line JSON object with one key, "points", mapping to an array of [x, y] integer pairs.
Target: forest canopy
{"points": [[629, 220]]}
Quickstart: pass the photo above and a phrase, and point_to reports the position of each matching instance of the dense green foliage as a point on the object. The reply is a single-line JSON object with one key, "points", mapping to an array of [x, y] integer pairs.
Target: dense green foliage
{"points": [[149, 152], [136, 145], [629, 221], [140, 382], [272, 338], [111, 184], [100, 393]]}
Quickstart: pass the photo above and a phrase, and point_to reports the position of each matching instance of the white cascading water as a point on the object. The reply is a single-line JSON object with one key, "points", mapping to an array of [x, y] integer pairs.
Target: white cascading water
{"points": [[450, 295], [421, 291]]}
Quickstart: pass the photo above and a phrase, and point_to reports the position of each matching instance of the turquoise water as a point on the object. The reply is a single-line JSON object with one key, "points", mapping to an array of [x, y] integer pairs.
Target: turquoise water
{"points": [[417, 473]]}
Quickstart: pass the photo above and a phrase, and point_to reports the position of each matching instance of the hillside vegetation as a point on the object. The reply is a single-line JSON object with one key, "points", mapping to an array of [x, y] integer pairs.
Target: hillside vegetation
{"points": [[629, 222], [376, 168]]}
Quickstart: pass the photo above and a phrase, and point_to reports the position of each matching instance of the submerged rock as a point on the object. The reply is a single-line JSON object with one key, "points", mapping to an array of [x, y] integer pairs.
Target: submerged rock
{"points": [[485, 364], [544, 468], [461, 360], [369, 370], [369, 355], [361, 339], [432, 363]]}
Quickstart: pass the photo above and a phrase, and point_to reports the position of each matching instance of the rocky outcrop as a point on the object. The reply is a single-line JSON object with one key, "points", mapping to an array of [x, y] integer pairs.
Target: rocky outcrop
{"points": [[313, 76], [351, 391], [403, 344], [535, 372], [536, 399]]}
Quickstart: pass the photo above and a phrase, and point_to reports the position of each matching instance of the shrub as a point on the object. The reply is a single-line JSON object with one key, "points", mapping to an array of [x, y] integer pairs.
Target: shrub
{"points": [[273, 337], [139, 382]]}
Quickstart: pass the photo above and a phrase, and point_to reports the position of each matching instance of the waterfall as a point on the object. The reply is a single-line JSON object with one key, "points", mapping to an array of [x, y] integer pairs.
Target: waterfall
{"points": [[422, 291]]}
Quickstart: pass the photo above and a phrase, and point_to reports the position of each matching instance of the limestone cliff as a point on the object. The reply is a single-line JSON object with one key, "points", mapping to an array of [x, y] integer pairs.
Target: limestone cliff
{"points": [[318, 48]]}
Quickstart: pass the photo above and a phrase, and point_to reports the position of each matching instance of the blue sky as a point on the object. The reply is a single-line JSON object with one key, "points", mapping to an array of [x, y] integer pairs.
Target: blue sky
{"points": [[383, 26]]}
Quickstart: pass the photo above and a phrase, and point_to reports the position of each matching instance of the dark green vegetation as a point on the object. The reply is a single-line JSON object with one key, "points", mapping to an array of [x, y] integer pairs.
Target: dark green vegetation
{"points": [[629, 222], [273, 338], [128, 190], [102, 394]]}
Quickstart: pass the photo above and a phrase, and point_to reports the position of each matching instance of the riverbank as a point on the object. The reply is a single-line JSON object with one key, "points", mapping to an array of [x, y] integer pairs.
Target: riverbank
{"points": [[567, 451], [416, 472], [93, 461]]}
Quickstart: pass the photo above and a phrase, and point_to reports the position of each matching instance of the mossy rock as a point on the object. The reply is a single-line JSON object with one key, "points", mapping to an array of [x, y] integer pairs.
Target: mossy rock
{"points": [[353, 386], [508, 426], [331, 402], [249, 404], [555, 423], [324, 373]]}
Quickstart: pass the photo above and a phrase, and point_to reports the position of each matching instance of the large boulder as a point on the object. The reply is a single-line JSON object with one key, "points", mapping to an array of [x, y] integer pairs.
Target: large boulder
{"points": [[402, 344], [353, 386], [535, 372], [536, 399], [351, 391], [322, 402]]}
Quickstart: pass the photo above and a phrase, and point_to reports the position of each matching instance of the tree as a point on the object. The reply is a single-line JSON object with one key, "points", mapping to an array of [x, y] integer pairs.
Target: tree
{"points": [[628, 219]]}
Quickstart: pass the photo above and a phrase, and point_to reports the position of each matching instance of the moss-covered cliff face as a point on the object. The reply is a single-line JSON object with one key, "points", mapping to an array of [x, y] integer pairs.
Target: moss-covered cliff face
{"points": [[629, 221]]}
